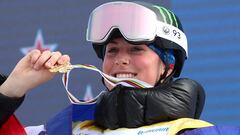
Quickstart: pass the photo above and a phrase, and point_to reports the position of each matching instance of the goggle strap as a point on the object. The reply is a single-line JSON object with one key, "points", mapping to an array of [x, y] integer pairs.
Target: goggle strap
{"points": [[173, 34]]}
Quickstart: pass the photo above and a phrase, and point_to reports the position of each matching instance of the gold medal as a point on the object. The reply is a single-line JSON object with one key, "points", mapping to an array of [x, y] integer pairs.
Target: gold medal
{"points": [[62, 68]]}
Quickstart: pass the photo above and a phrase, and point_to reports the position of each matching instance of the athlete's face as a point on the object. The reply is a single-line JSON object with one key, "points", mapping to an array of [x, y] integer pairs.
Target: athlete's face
{"points": [[125, 60]]}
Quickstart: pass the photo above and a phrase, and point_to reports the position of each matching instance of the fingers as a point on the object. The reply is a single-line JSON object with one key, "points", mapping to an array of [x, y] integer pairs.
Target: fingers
{"points": [[42, 59], [47, 59], [53, 59], [34, 55], [64, 59]]}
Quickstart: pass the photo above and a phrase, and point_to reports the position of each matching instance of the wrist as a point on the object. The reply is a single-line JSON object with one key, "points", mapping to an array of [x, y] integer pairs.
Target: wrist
{"points": [[11, 89]]}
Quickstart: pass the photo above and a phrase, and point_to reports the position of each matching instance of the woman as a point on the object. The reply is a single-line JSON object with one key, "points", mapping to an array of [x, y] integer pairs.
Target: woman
{"points": [[134, 40], [143, 41]]}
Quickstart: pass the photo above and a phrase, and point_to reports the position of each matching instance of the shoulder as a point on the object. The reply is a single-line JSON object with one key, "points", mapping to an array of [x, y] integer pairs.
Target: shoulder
{"points": [[187, 82], [187, 85]]}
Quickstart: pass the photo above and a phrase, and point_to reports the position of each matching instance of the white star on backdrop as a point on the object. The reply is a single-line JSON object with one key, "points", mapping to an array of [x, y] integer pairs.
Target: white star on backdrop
{"points": [[39, 44]]}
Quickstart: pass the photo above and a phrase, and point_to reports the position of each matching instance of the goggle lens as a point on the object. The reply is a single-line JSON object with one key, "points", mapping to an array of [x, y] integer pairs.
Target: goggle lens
{"points": [[135, 22]]}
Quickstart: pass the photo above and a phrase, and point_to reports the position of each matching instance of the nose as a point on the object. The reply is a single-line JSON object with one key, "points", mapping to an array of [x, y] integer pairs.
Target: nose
{"points": [[122, 59]]}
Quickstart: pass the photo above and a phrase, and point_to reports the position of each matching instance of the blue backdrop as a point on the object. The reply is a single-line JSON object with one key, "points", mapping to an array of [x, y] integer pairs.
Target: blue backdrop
{"points": [[213, 30], [212, 27]]}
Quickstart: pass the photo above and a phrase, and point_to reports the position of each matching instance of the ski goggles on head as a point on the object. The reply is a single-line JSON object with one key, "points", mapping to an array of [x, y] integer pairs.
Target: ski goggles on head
{"points": [[135, 22]]}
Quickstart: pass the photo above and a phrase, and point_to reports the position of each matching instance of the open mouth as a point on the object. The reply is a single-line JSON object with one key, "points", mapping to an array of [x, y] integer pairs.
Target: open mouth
{"points": [[125, 75]]}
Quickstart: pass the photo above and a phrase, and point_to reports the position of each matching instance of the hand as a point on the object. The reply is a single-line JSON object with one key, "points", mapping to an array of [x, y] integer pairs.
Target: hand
{"points": [[32, 71]]}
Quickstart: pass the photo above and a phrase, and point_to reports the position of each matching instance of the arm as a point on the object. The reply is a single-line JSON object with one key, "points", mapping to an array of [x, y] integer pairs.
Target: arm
{"points": [[7, 104], [30, 72]]}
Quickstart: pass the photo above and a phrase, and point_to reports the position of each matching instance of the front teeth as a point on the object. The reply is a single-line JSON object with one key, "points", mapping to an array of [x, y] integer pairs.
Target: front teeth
{"points": [[125, 75]]}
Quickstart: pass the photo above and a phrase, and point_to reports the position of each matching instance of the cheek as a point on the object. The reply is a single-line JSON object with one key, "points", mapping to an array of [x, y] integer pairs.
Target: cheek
{"points": [[150, 70], [106, 66]]}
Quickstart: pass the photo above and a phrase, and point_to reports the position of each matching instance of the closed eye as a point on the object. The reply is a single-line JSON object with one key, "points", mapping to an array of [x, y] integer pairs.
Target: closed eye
{"points": [[137, 49], [112, 50]]}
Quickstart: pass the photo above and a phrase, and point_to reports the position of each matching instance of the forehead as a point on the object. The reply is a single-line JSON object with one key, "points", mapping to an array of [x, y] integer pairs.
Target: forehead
{"points": [[118, 40], [121, 42]]}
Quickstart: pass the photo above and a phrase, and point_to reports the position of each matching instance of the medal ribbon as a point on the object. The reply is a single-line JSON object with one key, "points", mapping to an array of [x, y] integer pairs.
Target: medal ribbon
{"points": [[66, 69]]}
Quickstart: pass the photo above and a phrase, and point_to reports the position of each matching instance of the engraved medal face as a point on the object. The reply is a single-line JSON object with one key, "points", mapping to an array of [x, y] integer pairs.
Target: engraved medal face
{"points": [[62, 68]]}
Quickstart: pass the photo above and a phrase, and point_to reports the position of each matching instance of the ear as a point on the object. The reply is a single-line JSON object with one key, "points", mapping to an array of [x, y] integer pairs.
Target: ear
{"points": [[170, 70]]}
